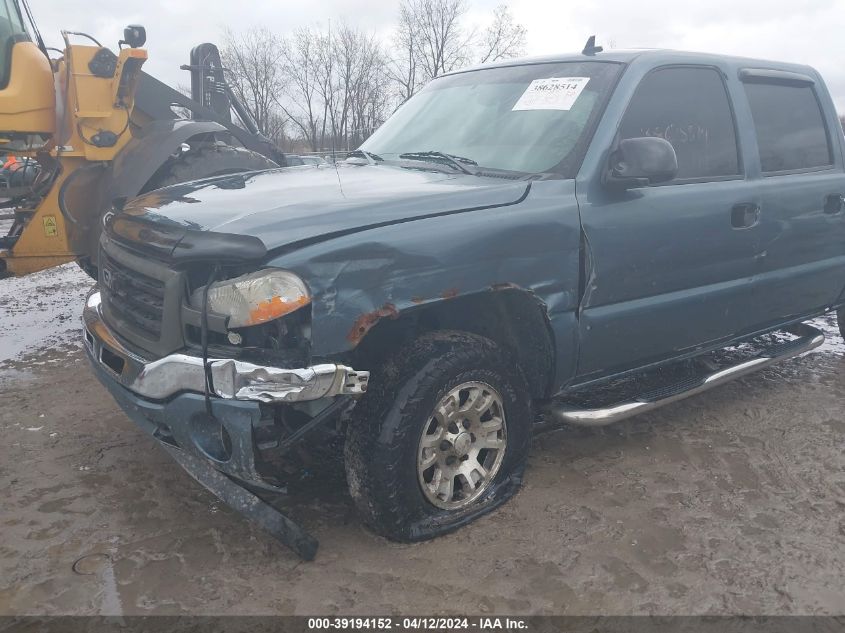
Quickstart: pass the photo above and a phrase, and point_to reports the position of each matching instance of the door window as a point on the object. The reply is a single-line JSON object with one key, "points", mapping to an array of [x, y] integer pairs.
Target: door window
{"points": [[688, 107], [791, 133], [11, 31]]}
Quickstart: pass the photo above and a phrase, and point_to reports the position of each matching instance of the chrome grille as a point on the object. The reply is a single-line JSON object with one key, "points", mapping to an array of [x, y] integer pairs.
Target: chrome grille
{"points": [[135, 298]]}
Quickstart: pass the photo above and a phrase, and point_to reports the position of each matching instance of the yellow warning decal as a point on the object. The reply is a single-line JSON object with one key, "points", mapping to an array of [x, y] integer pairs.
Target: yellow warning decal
{"points": [[50, 228]]}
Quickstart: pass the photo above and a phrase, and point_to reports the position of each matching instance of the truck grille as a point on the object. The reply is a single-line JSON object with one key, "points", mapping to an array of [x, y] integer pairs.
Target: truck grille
{"points": [[135, 298]]}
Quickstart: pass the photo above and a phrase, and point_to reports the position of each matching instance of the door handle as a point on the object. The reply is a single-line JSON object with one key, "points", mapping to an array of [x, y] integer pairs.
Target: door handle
{"points": [[745, 215], [833, 203]]}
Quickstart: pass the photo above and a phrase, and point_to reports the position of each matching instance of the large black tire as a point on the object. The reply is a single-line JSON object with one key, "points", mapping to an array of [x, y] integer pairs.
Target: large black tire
{"points": [[207, 161], [384, 434], [88, 267]]}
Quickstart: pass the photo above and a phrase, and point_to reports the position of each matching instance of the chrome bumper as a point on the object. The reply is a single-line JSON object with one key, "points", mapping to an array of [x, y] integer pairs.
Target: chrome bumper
{"points": [[231, 379]]}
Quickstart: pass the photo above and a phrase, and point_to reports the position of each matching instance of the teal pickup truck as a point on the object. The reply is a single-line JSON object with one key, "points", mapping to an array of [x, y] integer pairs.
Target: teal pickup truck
{"points": [[572, 239]]}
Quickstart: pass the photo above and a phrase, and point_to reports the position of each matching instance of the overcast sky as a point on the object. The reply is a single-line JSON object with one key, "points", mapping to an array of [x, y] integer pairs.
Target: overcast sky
{"points": [[803, 31]]}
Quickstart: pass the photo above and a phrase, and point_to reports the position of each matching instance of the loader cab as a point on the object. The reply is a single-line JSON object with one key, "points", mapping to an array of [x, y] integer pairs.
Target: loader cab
{"points": [[27, 92], [11, 32]]}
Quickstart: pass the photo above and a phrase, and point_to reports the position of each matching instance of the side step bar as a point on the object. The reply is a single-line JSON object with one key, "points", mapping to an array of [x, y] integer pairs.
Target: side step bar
{"points": [[808, 338]]}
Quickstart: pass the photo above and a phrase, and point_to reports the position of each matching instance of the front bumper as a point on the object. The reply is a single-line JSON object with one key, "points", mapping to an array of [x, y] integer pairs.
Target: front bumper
{"points": [[166, 399], [197, 443], [231, 379]]}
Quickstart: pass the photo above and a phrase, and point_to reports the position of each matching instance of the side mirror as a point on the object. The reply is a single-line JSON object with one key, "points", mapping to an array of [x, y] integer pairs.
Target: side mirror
{"points": [[641, 161]]}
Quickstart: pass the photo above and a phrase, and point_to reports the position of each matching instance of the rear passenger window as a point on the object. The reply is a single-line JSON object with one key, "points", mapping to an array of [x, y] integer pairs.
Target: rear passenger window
{"points": [[790, 129], [688, 107]]}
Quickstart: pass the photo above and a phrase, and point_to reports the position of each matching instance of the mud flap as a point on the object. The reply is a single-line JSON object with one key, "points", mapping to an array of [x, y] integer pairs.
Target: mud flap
{"points": [[240, 499]]}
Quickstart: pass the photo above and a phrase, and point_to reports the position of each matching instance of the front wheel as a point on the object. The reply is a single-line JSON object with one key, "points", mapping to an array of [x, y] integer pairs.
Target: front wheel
{"points": [[441, 438]]}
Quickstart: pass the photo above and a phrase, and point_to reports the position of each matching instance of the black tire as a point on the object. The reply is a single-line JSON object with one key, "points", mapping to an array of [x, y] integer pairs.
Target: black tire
{"points": [[207, 161], [840, 320], [88, 267], [384, 433]]}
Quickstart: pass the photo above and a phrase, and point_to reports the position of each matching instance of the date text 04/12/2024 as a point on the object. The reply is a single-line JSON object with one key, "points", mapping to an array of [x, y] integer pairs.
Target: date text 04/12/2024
{"points": [[418, 624]]}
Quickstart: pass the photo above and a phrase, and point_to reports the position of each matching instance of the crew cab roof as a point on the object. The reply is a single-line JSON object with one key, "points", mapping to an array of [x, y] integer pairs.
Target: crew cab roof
{"points": [[651, 56]]}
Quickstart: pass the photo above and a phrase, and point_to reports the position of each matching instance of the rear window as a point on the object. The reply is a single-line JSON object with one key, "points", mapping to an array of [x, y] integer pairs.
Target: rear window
{"points": [[791, 133]]}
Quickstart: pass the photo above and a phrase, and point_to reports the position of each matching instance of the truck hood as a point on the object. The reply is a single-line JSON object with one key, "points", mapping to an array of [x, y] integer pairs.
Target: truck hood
{"points": [[287, 206]]}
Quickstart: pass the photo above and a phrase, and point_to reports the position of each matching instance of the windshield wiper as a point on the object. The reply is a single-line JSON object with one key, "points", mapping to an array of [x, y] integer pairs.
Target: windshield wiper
{"points": [[369, 156], [458, 162]]}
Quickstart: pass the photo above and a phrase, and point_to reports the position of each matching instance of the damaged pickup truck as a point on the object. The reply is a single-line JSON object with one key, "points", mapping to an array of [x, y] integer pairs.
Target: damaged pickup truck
{"points": [[512, 241]]}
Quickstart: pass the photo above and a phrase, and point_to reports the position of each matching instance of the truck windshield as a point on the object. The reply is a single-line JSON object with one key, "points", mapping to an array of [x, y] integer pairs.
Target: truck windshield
{"points": [[531, 118]]}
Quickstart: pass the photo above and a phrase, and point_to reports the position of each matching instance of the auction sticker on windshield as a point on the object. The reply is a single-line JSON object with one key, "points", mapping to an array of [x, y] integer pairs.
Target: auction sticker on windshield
{"points": [[553, 93]]}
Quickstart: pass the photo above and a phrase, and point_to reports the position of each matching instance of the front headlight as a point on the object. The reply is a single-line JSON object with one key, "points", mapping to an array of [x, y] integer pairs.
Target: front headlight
{"points": [[255, 298]]}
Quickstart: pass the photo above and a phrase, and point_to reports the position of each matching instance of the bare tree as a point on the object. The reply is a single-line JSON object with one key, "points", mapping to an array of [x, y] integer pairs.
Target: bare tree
{"points": [[442, 44], [431, 39], [326, 86], [337, 91], [360, 83], [402, 69], [335, 86], [371, 97], [302, 104], [254, 69], [504, 38], [181, 111]]}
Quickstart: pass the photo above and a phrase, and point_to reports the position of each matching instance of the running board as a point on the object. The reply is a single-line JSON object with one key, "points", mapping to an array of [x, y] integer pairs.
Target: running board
{"points": [[808, 338]]}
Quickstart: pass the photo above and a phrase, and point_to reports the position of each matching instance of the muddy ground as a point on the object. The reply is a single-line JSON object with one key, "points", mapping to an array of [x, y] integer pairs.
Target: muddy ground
{"points": [[730, 502]]}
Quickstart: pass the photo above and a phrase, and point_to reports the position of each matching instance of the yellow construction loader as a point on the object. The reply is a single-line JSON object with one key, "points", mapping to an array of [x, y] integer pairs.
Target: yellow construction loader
{"points": [[87, 127]]}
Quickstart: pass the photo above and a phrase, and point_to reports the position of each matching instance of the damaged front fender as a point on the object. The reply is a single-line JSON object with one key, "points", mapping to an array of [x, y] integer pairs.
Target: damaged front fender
{"points": [[361, 279]]}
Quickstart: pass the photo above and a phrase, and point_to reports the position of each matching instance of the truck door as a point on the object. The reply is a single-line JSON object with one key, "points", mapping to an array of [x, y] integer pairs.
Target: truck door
{"points": [[670, 266], [802, 224]]}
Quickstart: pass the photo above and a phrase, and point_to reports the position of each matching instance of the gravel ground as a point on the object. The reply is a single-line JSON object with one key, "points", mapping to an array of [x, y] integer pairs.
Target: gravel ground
{"points": [[732, 502]]}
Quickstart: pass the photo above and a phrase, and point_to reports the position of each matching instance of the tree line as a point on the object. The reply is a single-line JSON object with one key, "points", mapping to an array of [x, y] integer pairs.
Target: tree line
{"points": [[330, 86]]}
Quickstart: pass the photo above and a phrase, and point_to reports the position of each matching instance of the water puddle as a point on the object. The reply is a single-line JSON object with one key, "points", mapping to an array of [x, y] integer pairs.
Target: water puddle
{"points": [[40, 317]]}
